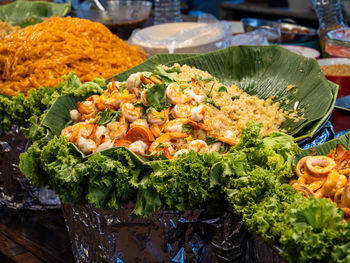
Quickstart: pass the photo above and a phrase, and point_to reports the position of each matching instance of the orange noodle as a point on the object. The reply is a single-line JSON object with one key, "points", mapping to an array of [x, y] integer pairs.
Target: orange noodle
{"points": [[39, 55]]}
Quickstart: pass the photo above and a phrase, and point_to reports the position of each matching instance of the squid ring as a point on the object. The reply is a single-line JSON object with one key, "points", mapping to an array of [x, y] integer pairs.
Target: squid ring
{"points": [[319, 164], [299, 169], [338, 195]]}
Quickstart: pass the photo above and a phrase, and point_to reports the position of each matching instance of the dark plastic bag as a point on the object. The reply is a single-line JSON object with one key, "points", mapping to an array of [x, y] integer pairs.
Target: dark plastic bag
{"points": [[15, 189], [167, 236]]}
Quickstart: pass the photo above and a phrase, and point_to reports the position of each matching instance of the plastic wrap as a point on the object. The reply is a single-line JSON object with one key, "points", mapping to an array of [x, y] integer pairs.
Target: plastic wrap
{"points": [[325, 133], [208, 34], [257, 37], [15, 190], [167, 236]]}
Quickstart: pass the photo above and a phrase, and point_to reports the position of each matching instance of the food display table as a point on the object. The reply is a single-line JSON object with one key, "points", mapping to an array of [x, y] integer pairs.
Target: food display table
{"points": [[35, 236]]}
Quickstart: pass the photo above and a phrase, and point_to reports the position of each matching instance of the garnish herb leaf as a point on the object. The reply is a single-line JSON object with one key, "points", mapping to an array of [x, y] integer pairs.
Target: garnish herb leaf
{"points": [[156, 97], [198, 79], [209, 79], [222, 89], [186, 128], [138, 104], [210, 101], [147, 74], [210, 140], [182, 88], [235, 97], [166, 75], [211, 89], [108, 116]]}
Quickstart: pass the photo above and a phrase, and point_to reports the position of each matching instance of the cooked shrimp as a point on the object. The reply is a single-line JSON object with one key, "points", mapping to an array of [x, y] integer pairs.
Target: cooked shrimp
{"points": [[228, 138], [100, 133], [74, 115], [193, 96], [117, 130], [176, 125], [181, 111], [81, 129], [158, 117], [113, 86], [144, 97], [86, 146], [156, 130], [214, 147], [165, 140], [199, 113], [117, 98], [108, 144], [199, 146], [175, 96], [142, 122], [139, 147], [86, 107], [131, 112], [134, 81]]}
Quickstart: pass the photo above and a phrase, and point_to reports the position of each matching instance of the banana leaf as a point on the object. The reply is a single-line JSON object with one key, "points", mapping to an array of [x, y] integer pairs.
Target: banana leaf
{"points": [[324, 149], [261, 71], [265, 71], [24, 13]]}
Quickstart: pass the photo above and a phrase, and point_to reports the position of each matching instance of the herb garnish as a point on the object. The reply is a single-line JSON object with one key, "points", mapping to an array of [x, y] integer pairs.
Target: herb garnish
{"points": [[182, 88], [209, 100], [156, 97], [222, 89], [138, 104], [210, 140], [186, 128], [108, 116], [235, 98], [209, 79]]}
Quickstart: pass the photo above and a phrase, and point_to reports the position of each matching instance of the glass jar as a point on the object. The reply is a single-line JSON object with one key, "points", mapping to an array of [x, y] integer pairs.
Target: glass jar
{"points": [[329, 17]]}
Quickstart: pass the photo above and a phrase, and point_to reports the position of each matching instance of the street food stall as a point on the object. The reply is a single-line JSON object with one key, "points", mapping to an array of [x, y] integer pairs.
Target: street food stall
{"points": [[137, 131]]}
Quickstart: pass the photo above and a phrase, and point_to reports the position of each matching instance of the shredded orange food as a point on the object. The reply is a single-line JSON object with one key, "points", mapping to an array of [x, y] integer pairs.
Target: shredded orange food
{"points": [[39, 55]]}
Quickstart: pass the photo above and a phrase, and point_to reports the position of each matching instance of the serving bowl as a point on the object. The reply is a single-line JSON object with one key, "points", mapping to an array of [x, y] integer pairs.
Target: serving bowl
{"points": [[289, 32], [338, 42], [304, 51], [121, 17], [342, 81]]}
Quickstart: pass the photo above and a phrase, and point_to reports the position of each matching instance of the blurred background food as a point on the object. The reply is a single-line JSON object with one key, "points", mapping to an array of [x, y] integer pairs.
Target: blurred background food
{"points": [[121, 17], [40, 55], [337, 70]]}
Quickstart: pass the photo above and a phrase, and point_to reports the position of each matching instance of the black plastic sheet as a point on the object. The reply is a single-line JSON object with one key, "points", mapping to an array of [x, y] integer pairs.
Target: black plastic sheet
{"points": [[167, 236], [15, 190]]}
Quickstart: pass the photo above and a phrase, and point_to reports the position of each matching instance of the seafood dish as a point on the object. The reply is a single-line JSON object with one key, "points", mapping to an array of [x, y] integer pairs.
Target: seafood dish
{"points": [[326, 177], [172, 110]]}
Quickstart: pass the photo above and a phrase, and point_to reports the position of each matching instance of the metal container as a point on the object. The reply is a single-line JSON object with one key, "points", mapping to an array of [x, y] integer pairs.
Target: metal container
{"points": [[289, 31]]}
